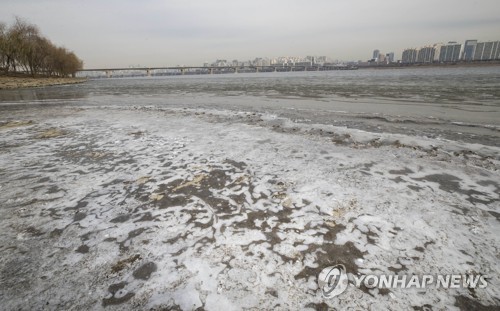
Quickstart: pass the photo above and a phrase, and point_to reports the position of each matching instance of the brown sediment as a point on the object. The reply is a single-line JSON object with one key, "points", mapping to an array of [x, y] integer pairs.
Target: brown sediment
{"points": [[10, 82], [12, 124], [51, 133], [120, 265]]}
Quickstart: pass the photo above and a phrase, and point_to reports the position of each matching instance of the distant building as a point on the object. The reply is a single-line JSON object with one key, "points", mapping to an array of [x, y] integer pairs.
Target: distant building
{"points": [[437, 52], [478, 53], [259, 61], [311, 59], [389, 57], [220, 63], [376, 53], [469, 50], [450, 52], [409, 56], [487, 50], [426, 54], [381, 58], [320, 60]]}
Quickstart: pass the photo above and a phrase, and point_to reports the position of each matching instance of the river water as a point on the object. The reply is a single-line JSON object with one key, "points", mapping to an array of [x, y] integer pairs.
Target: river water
{"points": [[461, 104]]}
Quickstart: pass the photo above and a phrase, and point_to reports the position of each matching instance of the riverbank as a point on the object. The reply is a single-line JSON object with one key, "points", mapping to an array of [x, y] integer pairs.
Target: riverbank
{"points": [[17, 82], [431, 65]]}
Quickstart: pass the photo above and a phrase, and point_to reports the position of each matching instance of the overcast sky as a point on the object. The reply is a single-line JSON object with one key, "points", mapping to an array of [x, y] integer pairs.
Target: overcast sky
{"points": [[120, 33]]}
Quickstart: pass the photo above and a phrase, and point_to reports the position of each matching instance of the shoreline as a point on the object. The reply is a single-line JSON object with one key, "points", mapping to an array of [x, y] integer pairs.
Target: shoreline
{"points": [[22, 82], [433, 65]]}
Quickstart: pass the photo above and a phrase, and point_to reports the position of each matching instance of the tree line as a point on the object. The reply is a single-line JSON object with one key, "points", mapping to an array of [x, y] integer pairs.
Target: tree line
{"points": [[23, 49]]}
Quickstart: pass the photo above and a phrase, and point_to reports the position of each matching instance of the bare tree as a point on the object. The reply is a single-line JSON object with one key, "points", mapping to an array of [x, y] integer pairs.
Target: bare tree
{"points": [[23, 47], [3, 59]]}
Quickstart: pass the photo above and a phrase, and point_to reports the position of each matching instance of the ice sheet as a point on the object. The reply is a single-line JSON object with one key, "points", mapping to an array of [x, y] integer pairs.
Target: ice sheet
{"points": [[186, 208]]}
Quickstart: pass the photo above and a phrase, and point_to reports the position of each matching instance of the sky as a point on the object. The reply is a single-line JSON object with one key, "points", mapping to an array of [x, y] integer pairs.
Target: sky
{"points": [[123, 33]]}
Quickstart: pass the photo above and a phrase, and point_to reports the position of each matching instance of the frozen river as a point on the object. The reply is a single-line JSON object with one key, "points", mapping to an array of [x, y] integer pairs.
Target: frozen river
{"points": [[234, 192]]}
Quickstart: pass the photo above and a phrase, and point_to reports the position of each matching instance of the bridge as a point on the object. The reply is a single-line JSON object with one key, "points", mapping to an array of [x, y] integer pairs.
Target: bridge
{"points": [[184, 70]]}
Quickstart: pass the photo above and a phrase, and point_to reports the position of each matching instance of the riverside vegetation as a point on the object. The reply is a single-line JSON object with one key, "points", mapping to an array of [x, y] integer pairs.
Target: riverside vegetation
{"points": [[23, 49]]}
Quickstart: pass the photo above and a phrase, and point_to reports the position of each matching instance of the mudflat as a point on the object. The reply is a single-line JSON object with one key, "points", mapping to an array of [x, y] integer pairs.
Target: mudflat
{"points": [[12, 82]]}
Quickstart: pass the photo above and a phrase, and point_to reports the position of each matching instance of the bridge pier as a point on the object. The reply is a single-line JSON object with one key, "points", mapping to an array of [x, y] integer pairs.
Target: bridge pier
{"points": [[235, 69], [148, 72], [109, 73], [211, 71], [183, 71]]}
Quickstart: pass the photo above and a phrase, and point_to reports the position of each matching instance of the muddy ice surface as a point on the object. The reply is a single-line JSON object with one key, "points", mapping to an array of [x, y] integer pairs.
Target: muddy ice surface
{"points": [[192, 210]]}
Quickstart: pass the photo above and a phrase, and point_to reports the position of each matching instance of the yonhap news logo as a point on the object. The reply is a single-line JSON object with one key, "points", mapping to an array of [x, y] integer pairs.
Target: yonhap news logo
{"points": [[334, 280]]}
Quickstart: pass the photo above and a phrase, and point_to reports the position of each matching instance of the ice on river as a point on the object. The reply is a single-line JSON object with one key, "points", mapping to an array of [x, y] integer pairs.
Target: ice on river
{"points": [[183, 208]]}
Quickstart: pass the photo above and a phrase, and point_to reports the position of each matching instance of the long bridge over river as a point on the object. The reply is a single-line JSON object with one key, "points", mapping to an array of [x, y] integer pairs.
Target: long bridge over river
{"points": [[195, 70]]}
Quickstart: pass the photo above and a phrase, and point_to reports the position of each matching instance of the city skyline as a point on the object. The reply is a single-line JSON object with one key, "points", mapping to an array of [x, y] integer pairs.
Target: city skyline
{"points": [[424, 54], [158, 33], [471, 50], [452, 51]]}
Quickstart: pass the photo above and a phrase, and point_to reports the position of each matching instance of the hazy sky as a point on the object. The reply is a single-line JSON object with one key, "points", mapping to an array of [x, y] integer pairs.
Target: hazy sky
{"points": [[119, 33]]}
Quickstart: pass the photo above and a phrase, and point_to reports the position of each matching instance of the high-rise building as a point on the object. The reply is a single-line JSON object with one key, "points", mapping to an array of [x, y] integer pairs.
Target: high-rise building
{"points": [[437, 51], [491, 50], [426, 54], [487, 50], [478, 53], [381, 58], [390, 57], [409, 56], [469, 50], [450, 52], [376, 54], [495, 50]]}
